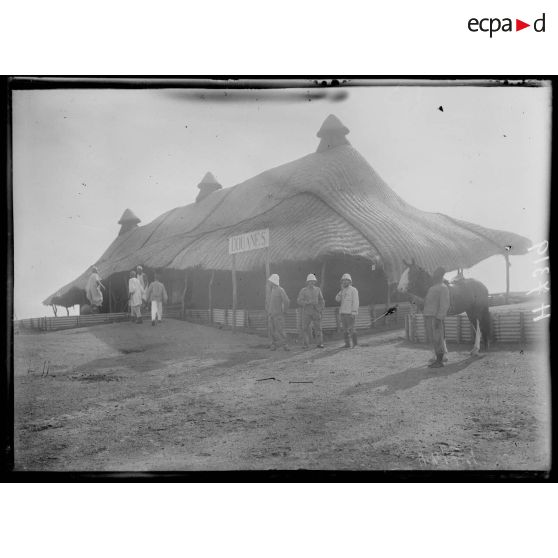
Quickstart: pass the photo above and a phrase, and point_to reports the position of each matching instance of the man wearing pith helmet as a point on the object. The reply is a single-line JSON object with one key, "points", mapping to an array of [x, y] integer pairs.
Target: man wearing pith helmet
{"points": [[436, 306], [313, 304], [348, 311], [277, 304]]}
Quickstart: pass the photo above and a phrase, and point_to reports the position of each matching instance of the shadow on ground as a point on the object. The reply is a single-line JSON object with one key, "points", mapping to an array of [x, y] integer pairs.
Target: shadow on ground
{"points": [[411, 377]]}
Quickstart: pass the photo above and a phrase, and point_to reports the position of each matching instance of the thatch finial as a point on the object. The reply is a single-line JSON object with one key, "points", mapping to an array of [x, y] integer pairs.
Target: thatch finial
{"points": [[128, 221], [332, 134], [208, 185]]}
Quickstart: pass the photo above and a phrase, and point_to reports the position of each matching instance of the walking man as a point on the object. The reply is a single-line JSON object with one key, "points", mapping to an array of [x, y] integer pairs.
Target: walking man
{"points": [[157, 295], [144, 281], [312, 302], [277, 305], [135, 296], [348, 310], [142, 277], [436, 306]]}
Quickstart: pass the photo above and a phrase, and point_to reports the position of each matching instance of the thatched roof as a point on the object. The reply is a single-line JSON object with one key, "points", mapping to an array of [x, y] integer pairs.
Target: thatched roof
{"points": [[327, 203]]}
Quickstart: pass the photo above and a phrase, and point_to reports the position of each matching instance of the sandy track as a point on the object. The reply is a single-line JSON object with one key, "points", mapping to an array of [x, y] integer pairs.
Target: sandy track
{"points": [[188, 397]]}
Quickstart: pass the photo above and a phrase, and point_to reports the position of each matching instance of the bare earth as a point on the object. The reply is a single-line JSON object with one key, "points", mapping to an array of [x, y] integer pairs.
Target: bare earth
{"points": [[181, 396]]}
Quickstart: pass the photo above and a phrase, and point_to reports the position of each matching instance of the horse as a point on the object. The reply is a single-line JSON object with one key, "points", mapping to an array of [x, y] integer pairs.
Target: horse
{"points": [[466, 295]]}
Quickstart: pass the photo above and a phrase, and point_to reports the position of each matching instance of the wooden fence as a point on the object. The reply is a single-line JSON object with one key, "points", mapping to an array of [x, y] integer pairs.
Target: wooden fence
{"points": [[256, 319], [52, 323], [368, 317], [507, 327]]}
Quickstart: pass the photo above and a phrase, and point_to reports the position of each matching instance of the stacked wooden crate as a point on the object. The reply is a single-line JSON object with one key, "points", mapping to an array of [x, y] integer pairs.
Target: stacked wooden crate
{"points": [[507, 327]]}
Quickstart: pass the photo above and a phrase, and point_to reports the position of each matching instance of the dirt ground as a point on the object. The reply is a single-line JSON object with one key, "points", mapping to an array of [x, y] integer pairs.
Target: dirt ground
{"points": [[182, 396]]}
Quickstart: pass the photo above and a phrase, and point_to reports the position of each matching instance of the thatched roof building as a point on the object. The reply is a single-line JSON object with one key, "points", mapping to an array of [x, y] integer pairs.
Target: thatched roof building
{"points": [[325, 205]]}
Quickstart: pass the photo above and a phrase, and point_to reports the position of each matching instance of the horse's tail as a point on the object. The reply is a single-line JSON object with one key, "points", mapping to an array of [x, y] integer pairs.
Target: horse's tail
{"points": [[485, 324]]}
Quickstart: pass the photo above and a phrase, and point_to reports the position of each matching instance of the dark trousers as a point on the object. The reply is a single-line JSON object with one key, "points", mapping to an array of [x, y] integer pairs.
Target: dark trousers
{"points": [[435, 333]]}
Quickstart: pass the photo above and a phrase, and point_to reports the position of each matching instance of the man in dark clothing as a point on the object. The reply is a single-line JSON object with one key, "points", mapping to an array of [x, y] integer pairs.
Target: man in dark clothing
{"points": [[313, 304], [436, 306]]}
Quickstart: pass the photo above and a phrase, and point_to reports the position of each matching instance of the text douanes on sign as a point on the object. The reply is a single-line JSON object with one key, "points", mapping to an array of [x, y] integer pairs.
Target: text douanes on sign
{"points": [[249, 241]]}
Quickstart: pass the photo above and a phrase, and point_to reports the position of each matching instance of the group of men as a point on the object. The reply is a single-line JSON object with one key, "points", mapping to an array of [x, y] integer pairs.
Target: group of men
{"points": [[311, 301], [140, 291]]}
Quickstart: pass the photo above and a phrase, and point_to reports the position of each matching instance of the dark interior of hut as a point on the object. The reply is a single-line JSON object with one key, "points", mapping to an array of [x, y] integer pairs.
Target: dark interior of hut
{"points": [[369, 279]]}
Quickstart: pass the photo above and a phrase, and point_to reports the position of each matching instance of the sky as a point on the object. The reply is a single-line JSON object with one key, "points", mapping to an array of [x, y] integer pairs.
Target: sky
{"points": [[81, 157]]}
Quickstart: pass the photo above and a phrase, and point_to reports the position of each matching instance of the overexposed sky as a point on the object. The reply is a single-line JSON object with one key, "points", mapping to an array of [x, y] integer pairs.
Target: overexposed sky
{"points": [[81, 157]]}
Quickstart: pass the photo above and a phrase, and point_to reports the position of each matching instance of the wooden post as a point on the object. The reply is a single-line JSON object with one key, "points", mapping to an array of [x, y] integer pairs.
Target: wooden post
{"points": [[109, 294], [211, 296], [507, 258], [267, 274], [234, 292], [128, 309], [184, 294]]}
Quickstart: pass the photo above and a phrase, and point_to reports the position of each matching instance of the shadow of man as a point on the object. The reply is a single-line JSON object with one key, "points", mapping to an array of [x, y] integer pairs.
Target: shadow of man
{"points": [[411, 377]]}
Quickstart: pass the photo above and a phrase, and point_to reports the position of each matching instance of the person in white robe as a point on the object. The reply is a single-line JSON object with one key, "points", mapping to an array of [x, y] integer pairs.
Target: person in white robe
{"points": [[135, 296], [93, 290]]}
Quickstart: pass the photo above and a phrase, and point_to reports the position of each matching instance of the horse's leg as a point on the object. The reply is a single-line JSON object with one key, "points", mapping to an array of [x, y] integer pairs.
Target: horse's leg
{"points": [[476, 326], [485, 327], [476, 346]]}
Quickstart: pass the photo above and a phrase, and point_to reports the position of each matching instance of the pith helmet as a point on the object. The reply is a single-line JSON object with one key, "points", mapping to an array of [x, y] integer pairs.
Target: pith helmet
{"points": [[311, 277], [274, 278], [346, 276]]}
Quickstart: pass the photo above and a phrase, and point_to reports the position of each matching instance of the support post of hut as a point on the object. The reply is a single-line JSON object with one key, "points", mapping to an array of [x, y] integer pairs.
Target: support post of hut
{"points": [[184, 294], [322, 277], [109, 294], [507, 258], [128, 309], [211, 279], [234, 292]]}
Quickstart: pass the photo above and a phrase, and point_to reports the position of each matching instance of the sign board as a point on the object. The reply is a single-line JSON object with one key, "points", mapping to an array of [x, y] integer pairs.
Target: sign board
{"points": [[249, 241]]}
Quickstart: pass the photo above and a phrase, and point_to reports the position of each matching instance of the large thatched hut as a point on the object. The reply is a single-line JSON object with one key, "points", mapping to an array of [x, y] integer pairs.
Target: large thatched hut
{"points": [[327, 213]]}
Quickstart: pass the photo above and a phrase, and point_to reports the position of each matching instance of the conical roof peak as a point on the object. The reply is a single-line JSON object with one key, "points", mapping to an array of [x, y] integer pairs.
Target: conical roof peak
{"points": [[208, 179], [332, 134], [208, 185], [330, 125], [128, 217]]}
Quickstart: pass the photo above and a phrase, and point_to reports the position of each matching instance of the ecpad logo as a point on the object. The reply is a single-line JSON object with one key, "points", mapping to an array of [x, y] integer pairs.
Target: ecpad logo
{"points": [[493, 25]]}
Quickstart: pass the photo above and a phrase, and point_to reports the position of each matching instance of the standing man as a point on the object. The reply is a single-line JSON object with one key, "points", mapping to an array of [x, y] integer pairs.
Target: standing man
{"points": [[144, 281], [436, 306], [156, 294], [348, 310], [276, 307], [142, 277], [93, 290], [135, 296], [313, 304]]}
